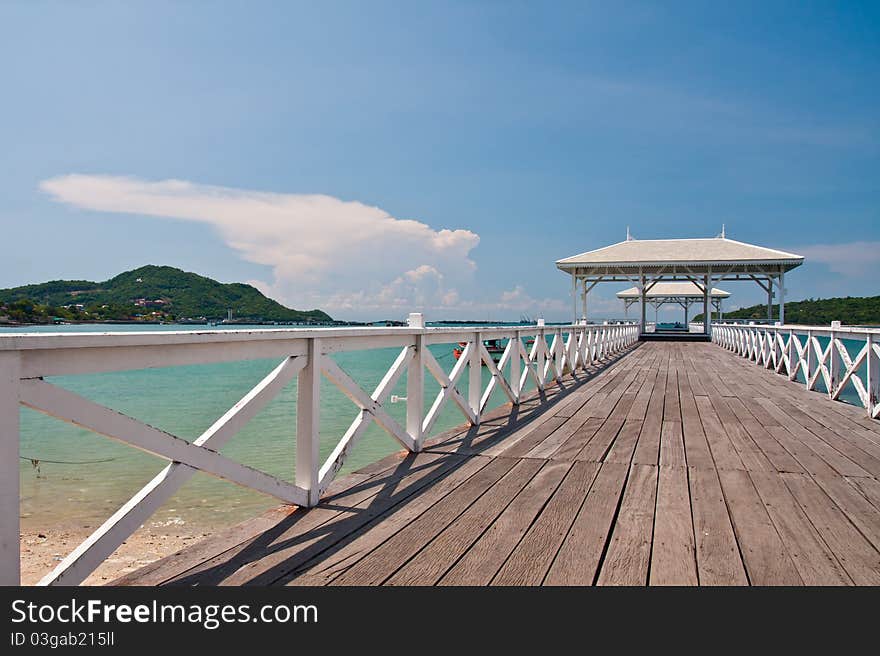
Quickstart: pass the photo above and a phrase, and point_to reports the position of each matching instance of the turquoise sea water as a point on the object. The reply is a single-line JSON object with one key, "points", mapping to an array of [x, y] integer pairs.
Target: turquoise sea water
{"points": [[185, 401]]}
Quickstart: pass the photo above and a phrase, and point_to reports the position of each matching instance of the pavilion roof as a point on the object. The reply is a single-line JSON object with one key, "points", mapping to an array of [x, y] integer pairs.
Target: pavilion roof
{"points": [[680, 257]]}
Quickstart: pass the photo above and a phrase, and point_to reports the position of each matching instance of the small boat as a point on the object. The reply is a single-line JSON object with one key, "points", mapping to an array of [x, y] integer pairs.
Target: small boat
{"points": [[493, 346]]}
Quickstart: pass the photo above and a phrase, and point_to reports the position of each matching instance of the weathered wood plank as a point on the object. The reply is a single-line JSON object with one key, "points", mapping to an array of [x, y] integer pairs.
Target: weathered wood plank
{"points": [[837, 460], [696, 446], [578, 559], [321, 567], [752, 457], [854, 505], [672, 445], [648, 448], [673, 554], [813, 559], [629, 551], [855, 554], [322, 528], [529, 562], [765, 557], [431, 563], [223, 545], [723, 453], [624, 445], [870, 487], [781, 459], [383, 560], [483, 560], [569, 449], [718, 558]]}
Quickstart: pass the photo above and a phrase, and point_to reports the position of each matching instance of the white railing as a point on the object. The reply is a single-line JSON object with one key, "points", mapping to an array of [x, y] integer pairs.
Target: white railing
{"points": [[25, 359], [793, 350]]}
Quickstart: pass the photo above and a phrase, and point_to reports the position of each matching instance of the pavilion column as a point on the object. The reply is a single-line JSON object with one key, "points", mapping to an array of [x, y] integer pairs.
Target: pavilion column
{"points": [[642, 323], [707, 315], [769, 300], [782, 297], [574, 299], [584, 302], [686, 306]]}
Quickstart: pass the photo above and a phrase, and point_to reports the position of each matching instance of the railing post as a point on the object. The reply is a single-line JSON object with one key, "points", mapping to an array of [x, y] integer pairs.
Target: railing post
{"points": [[809, 359], [774, 351], [873, 377], [10, 554], [415, 382], [539, 353], [833, 360], [557, 355], [308, 414], [475, 379], [515, 362], [579, 346]]}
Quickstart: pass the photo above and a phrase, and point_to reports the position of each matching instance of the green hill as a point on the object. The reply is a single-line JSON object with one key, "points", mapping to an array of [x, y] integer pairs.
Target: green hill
{"points": [[161, 292], [851, 310]]}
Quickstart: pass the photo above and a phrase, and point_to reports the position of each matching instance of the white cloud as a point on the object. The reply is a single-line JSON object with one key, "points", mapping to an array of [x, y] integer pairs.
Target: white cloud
{"points": [[853, 259], [348, 258], [323, 251]]}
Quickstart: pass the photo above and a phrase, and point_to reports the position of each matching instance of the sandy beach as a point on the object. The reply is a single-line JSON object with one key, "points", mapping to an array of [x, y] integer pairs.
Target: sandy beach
{"points": [[42, 550]]}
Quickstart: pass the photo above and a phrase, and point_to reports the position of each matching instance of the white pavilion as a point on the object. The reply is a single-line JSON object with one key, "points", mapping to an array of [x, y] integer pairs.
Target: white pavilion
{"points": [[702, 262]]}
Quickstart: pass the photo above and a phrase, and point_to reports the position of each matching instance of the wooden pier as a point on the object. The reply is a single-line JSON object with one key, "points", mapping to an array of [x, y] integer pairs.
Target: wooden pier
{"points": [[666, 464]]}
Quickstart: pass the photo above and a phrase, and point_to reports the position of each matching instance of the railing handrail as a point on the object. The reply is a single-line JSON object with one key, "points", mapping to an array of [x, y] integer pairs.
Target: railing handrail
{"points": [[26, 359], [803, 328], [47, 340]]}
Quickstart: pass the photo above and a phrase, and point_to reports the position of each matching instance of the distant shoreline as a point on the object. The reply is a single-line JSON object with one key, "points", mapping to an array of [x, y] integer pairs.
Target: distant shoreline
{"points": [[132, 322]]}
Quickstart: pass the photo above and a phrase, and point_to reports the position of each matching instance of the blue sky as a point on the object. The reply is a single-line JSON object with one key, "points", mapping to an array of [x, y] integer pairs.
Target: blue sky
{"points": [[376, 158]]}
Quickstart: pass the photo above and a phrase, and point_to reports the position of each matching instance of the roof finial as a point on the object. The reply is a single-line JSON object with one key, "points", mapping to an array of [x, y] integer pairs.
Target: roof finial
{"points": [[628, 236], [722, 231]]}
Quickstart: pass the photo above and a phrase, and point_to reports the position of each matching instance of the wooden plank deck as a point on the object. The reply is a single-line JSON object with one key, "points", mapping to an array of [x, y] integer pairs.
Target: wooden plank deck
{"points": [[673, 464]]}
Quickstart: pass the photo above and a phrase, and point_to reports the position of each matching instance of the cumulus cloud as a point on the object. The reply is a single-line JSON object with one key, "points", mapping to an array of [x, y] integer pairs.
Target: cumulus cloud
{"points": [[346, 257], [853, 259], [323, 251]]}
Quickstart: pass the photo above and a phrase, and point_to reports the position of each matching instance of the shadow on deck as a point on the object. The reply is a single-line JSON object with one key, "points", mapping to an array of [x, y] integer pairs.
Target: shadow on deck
{"points": [[675, 463]]}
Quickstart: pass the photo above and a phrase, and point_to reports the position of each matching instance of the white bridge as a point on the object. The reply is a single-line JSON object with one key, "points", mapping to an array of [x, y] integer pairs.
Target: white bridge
{"points": [[27, 359]]}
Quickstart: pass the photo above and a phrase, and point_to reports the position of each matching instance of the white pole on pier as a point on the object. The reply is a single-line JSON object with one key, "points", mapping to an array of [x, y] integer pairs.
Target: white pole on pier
{"points": [[10, 549], [769, 300], [584, 302], [642, 295], [707, 315], [308, 413], [782, 297], [415, 383], [475, 376]]}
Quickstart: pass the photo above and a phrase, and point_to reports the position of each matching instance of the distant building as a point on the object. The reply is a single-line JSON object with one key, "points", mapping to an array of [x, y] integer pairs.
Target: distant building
{"points": [[144, 302]]}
